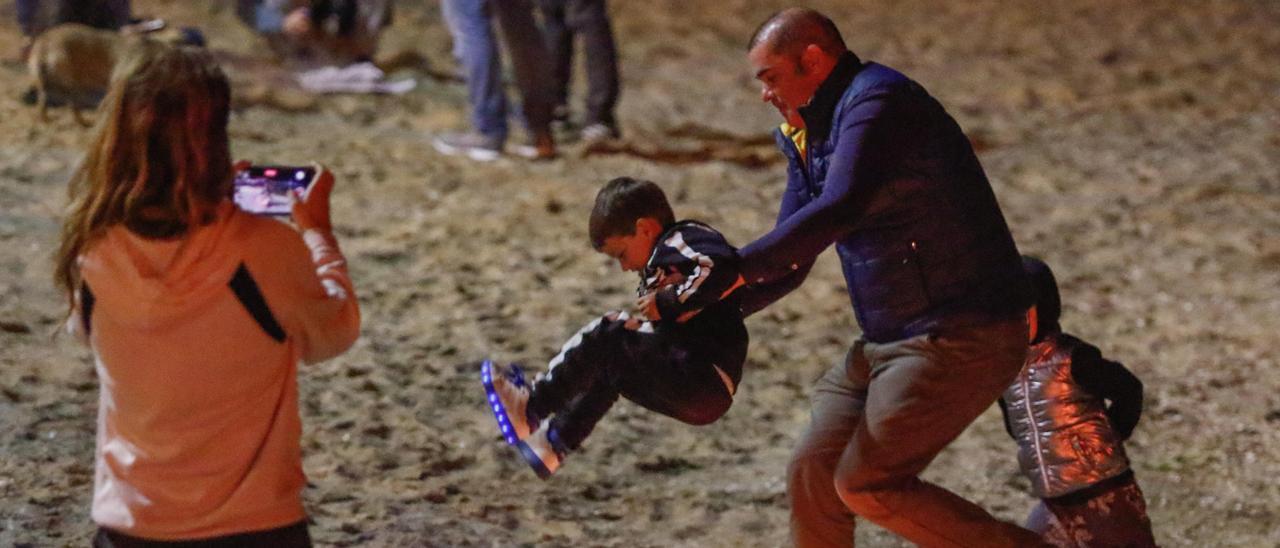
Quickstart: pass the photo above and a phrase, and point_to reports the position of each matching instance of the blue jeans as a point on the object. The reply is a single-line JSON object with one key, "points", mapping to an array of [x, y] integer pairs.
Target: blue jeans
{"points": [[264, 16], [476, 47]]}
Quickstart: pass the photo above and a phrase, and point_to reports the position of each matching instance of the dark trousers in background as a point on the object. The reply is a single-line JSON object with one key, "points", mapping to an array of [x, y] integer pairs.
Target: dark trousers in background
{"points": [[289, 536], [681, 375], [881, 417], [563, 22], [35, 16]]}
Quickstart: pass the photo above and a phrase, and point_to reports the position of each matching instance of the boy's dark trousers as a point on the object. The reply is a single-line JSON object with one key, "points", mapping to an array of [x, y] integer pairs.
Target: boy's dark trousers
{"points": [[668, 369], [562, 21]]}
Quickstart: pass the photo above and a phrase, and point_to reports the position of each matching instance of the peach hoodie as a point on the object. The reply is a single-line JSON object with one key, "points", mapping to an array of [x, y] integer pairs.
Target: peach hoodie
{"points": [[198, 426]]}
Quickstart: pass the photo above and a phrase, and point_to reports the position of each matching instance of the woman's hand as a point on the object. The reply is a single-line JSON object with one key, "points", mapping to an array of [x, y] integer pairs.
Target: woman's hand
{"points": [[311, 210]]}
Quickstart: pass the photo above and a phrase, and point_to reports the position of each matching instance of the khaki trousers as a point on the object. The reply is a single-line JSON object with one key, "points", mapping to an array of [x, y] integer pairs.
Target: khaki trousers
{"points": [[881, 417]]}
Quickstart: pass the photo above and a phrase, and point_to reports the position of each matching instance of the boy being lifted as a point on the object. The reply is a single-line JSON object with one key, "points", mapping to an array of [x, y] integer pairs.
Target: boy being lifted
{"points": [[680, 354]]}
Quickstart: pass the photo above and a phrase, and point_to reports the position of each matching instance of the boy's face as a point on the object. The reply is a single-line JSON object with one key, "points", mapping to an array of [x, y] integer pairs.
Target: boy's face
{"points": [[632, 251]]}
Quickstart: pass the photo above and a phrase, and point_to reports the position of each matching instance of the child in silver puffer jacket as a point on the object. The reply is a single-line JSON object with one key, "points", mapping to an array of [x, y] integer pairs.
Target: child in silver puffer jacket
{"points": [[1070, 411]]}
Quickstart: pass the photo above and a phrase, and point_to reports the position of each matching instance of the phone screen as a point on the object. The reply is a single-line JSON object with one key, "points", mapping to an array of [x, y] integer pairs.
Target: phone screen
{"points": [[265, 190]]}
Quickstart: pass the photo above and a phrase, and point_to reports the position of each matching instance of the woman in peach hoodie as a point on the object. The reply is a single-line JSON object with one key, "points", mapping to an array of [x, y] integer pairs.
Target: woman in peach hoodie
{"points": [[197, 313]]}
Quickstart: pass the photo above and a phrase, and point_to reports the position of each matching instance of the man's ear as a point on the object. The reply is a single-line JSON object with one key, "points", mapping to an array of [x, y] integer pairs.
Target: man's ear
{"points": [[812, 57]]}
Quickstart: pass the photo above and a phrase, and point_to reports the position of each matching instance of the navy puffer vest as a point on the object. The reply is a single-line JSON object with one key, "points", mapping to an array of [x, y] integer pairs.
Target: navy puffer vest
{"points": [[930, 246]]}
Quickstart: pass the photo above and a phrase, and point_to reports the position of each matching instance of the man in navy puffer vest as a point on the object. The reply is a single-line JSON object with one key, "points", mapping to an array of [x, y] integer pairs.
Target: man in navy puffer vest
{"points": [[879, 169]]}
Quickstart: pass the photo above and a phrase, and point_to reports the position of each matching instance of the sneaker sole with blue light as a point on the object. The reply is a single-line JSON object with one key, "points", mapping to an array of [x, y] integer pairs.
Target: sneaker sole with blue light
{"points": [[513, 428]]}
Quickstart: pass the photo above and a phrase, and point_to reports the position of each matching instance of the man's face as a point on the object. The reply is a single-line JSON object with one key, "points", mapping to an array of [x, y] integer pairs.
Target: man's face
{"points": [[631, 252], [785, 83]]}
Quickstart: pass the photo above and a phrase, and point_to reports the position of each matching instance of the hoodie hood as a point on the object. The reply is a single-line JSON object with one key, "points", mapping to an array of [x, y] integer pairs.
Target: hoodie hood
{"points": [[1048, 303], [148, 283]]}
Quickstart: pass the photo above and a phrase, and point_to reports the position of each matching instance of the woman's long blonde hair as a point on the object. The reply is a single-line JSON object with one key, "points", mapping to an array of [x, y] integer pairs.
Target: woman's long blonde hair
{"points": [[159, 162]]}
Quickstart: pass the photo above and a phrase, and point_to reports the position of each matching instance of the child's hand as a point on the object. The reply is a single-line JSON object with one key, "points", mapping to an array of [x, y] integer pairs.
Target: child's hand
{"points": [[647, 307]]}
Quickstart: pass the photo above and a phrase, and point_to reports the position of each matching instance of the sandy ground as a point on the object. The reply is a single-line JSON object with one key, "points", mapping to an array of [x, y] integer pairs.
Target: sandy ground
{"points": [[1134, 145]]}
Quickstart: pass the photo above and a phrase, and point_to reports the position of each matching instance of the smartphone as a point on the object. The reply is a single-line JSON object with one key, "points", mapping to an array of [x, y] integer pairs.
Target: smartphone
{"points": [[265, 190]]}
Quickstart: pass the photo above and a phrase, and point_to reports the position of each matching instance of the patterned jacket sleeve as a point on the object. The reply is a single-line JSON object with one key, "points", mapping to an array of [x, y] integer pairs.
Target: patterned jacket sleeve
{"points": [[1111, 381], [709, 266]]}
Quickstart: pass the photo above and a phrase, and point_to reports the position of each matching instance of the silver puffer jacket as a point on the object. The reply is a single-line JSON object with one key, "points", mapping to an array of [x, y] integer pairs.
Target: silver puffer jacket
{"points": [[1065, 442]]}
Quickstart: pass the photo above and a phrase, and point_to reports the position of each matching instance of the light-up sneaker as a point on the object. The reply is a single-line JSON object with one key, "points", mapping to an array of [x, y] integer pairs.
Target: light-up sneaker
{"points": [[507, 395], [543, 451]]}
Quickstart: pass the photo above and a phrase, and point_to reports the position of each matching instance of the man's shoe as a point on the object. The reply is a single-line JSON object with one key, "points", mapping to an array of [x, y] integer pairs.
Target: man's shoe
{"points": [[541, 147], [543, 451], [599, 132], [478, 147], [508, 397]]}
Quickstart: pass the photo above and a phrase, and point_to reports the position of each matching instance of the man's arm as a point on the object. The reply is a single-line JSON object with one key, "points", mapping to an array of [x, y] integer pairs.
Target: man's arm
{"points": [[855, 169], [754, 298]]}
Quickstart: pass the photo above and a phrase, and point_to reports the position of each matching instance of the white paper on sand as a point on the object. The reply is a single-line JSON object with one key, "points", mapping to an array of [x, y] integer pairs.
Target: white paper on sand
{"points": [[357, 78]]}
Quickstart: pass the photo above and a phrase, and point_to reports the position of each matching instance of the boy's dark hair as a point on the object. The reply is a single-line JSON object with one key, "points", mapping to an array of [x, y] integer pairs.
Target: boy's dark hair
{"points": [[1048, 303], [621, 203]]}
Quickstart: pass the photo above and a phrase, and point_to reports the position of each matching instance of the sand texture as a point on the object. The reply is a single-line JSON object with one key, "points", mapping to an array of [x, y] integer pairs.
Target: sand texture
{"points": [[1133, 145]]}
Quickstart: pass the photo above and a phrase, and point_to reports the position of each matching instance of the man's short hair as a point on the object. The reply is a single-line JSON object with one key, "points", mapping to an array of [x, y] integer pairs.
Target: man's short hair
{"points": [[621, 203], [791, 30]]}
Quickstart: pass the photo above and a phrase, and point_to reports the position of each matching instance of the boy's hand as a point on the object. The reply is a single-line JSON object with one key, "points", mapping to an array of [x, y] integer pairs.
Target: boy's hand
{"points": [[647, 307], [311, 210]]}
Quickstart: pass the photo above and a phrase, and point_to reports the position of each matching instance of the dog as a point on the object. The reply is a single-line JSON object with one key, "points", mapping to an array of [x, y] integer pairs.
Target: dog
{"points": [[78, 59]]}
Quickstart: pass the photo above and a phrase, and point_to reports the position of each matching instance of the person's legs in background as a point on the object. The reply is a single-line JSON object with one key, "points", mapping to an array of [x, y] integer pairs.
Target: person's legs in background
{"points": [[476, 48], [559, 39], [26, 13], [590, 20], [529, 61], [35, 16], [120, 12], [103, 14]]}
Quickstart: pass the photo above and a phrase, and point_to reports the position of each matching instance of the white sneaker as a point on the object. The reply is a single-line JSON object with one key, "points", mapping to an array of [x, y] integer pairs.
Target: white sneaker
{"points": [[508, 398], [541, 452], [539, 147], [599, 132], [472, 145]]}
